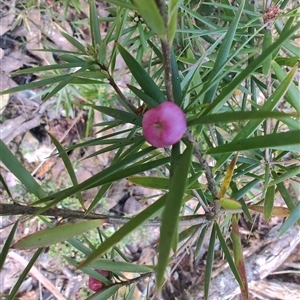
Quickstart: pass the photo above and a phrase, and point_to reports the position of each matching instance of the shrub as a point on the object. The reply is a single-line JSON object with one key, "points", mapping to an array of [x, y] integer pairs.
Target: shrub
{"points": [[229, 68]]}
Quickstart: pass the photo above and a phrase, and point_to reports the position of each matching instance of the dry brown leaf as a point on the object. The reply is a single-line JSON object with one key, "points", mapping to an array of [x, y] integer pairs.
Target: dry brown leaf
{"points": [[3, 102], [29, 296], [277, 211], [8, 19], [33, 36], [52, 31]]}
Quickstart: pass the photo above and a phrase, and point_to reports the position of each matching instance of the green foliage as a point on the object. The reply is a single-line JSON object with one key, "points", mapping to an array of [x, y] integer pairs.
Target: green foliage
{"points": [[229, 75], [56, 234], [169, 223]]}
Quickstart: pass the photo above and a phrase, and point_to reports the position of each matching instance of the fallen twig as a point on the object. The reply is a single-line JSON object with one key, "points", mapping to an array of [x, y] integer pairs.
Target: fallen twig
{"points": [[259, 265], [38, 275]]}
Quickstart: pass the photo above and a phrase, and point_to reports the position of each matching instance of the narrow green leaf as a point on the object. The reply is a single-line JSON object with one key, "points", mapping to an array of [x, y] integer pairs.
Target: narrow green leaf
{"points": [[22, 277], [269, 105], [200, 240], [293, 171], [90, 74], [160, 183], [98, 179], [245, 189], [79, 246], [176, 82], [269, 202], [125, 230], [50, 68], [146, 99], [114, 146], [192, 80], [228, 255], [12, 164], [6, 188], [56, 234], [178, 182], [284, 193], [292, 94], [267, 42], [130, 294], [245, 209], [183, 235], [287, 61], [94, 24], [228, 90], [102, 54], [150, 13], [34, 84], [267, 141], [122, 3], [134, 169], [71, 58], [229, 203], [65, 158], [238, 255], [134, 148], [106, 140], [230, 117], [143, 38], [106, 294], [209, 262], [74, 42], [156, 50], [124, 116], [291, 220], [141, 76], [172, 18], [7, 244], [78, 80], [119, 266], [115, 33], [223, 53], [98, 197], [89, 271], [197, 16], [68, 78], [227, 8], [56, 50], [175, 239]]}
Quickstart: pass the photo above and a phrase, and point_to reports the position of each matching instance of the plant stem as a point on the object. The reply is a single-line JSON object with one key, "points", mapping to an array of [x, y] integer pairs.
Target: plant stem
{"points": [[17, 209], [121, 95], [117, 90], [166, 51], [133, 280], [212, 185]]}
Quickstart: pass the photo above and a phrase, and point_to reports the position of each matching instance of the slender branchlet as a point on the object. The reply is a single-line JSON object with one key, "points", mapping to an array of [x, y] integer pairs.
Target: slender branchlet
{"points": [[136, 279], [212, 185], [119, 92], [16, 209], [166, 51]]}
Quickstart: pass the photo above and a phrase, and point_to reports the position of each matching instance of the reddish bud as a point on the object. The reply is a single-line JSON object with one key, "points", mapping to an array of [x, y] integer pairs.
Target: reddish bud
{"points": [[164, 125], [95, 284]]}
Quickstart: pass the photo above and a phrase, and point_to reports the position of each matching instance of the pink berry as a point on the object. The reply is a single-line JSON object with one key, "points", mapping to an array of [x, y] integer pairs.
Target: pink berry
{"points": [[95, 284], [164, 125]]}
